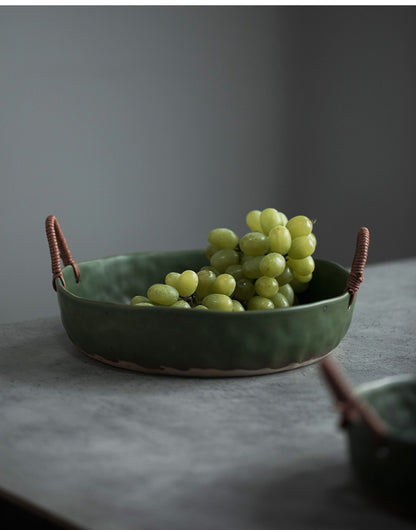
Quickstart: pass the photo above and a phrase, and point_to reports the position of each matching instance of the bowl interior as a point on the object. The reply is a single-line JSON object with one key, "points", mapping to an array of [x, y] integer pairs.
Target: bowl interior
{"points": [[394, 399], [117, 279]]}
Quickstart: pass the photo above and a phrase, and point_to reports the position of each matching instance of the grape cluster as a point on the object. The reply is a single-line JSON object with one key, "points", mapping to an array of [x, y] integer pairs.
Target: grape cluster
{"points": [[264, 269]]}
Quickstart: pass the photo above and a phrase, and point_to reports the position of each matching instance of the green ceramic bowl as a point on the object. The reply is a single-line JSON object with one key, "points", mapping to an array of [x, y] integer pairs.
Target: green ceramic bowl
{"points": [[387, 466], [99, 320]]}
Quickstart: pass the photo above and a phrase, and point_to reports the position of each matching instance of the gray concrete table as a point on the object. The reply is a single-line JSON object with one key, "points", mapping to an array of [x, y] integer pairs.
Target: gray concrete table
{"points": [[110, 449]]}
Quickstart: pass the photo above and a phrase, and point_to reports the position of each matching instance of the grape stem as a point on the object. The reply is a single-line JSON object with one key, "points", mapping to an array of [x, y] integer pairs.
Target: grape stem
{"points": [[192, 300]]}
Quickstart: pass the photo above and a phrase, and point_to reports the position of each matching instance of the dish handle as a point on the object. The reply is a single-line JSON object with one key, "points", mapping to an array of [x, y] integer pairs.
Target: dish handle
{"points": [[59, 249], [349, 405], [358, 263]]}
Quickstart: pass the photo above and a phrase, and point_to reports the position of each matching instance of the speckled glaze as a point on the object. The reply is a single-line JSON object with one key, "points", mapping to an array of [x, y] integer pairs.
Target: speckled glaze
{"points": [[99, 320], [387, 466]]}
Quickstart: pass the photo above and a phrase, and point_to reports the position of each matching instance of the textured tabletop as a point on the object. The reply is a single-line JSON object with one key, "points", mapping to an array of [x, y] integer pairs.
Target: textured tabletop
{"points": [[106, 448]]}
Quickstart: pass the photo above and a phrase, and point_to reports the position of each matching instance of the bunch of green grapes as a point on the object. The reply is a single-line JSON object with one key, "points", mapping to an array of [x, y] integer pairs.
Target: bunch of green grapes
{"points": [[205, 289], [264, 269]]}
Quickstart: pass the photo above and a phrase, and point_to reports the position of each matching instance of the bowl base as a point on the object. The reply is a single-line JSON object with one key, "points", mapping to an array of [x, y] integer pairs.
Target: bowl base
{"points": [[201, 372]]}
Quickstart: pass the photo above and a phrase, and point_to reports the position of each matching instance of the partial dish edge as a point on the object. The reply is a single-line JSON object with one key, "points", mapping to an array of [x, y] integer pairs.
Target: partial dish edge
{"points": [[201, 372]]}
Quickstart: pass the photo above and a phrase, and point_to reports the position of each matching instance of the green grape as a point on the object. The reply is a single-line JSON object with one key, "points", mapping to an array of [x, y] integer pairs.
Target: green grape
{"points": [[272, 264], [287, 291], [253, 220], [283, 218], [286, 276], [209, 268], [300, 225], [244, 290], [200, 306], [295, 300], [205, 280], [302, 266], [211, 250], [254, 244], [280, 301], [259, 303], [302, 247], [244, 258], [280, 239], [223, 238], [306, 278], [251, 267], [298, 287], [181, 304], [224, 258], [235, 270], [172, 279], [187, 283], [269, 218], [237, 306], [218, 302], [266, 286], [224, 284], [142, 304], [138, 300], [162, 294]]}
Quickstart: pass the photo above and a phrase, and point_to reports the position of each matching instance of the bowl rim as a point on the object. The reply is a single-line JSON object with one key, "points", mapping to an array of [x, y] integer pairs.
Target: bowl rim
{"points": [[230, 314], [388, 381]]}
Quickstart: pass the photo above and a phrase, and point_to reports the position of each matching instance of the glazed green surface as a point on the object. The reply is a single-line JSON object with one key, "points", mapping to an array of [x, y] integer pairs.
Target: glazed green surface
{"points": [[388, 466], [99, 320], [395, 402]]}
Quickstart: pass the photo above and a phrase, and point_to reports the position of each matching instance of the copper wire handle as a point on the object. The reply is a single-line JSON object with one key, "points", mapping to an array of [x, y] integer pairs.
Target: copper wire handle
{"points": [[358, 263], [58, 249], [347, 403]]}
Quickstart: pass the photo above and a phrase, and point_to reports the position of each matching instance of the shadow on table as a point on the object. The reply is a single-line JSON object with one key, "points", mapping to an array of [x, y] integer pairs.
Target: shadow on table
{"points": [[18, 513], [324, 494]]}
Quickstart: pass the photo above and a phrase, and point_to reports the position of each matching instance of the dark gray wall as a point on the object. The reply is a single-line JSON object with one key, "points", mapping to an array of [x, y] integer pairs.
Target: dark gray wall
{"points": [[350, 126], [144, 127]]}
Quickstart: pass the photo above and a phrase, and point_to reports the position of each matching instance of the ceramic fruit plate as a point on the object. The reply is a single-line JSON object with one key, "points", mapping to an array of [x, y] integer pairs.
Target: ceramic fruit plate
{"points": [[94, 304], [380, 420]]}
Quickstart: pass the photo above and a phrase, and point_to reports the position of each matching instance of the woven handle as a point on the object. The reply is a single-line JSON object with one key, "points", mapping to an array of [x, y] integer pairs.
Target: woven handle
{"points": [[348, 404], [358, 263], [58, 249]]}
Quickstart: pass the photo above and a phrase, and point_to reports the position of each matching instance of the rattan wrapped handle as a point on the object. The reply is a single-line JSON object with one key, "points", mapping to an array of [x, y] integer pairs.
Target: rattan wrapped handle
{"points": [[358, 263], [58, 249], [347, 403]]}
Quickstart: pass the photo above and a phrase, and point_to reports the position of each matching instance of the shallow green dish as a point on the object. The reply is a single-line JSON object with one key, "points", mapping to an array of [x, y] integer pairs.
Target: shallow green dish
{"points": [[99, 320], [380, 420], [94, 300], [386, 464]]}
